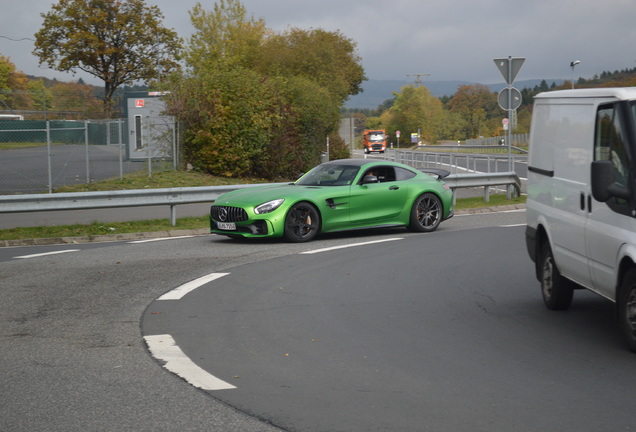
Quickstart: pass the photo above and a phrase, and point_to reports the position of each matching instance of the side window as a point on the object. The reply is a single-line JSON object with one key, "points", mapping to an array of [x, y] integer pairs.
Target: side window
{"points": [[609, 145], [384, 174], [403, 174]]}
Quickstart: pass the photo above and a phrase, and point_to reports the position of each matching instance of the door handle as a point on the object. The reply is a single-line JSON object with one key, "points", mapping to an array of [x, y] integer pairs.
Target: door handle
{"points": [[394, 188]]}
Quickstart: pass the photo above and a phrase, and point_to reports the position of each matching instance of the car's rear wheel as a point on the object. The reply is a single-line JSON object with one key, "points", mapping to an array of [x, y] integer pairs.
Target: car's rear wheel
{"points": [[626, 304], [426, 213], [302, 223], [557, 291]]}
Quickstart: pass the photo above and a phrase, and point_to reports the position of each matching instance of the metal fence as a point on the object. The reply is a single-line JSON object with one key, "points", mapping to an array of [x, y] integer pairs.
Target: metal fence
{"points": [[515, 140], [459, 163], [39, 156]]}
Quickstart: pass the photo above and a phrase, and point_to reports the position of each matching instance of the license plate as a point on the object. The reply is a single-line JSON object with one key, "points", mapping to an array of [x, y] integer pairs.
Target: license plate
{"points": [[229, 226]]}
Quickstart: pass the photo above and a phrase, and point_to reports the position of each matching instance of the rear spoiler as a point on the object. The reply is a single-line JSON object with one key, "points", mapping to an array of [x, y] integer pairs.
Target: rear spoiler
{"points": [[439, 173]]}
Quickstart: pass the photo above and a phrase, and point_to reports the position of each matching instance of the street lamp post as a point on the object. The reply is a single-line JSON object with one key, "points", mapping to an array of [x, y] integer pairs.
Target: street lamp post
{"points": [[572, 64]]}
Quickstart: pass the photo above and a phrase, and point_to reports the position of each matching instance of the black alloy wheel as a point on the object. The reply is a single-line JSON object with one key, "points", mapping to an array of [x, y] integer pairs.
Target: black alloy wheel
{"points": [[302, 223], [426, 213]]}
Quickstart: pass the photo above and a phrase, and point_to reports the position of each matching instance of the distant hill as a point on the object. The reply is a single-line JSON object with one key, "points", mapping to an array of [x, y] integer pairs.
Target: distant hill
{"points": [[378, 91]]}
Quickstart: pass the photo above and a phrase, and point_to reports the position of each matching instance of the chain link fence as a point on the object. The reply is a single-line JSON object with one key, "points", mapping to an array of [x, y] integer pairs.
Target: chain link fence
{"points": [[38, 156]]}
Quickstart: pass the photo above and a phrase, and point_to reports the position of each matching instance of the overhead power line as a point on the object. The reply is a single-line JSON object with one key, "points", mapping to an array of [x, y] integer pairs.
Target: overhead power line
{"points": [[16, 40]]}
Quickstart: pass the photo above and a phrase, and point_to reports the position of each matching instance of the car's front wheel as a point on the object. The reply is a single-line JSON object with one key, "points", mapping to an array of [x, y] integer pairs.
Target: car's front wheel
{"points": [[626, 304], [426, 213], [302, 223]]}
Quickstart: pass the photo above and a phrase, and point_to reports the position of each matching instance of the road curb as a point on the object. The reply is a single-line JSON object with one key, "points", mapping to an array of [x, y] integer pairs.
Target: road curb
{"points": [[191, 232]]}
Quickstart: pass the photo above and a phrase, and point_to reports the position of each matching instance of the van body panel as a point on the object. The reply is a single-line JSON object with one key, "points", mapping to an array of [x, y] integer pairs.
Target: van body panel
{"points": [[561, 128], [593, 242]]}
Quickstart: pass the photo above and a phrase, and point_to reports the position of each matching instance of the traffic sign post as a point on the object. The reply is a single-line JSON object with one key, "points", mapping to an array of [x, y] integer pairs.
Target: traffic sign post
{"points": [[509, 98]]}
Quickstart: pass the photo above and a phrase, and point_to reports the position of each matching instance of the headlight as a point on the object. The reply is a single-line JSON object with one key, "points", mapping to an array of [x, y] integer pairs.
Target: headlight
{"points": [[268, 207]]}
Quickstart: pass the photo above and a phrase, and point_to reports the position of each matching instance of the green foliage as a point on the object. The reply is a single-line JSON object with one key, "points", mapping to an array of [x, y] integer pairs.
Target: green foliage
{"points": [[478, 109], [223, 36], [337, 147], [13, 86], [41, 96], [258, 103], [328, 58], [119, 42], [414, 109]]}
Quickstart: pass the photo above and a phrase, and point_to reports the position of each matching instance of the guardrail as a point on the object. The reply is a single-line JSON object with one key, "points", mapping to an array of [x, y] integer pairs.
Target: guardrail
{"points": [[178, 196], [486, 180]]}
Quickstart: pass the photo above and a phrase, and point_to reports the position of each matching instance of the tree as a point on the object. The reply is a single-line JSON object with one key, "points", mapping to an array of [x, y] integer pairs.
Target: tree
{"points": [[224, 35], [75, 98], [41, 96], [477, 107], [117, 41], [254, 108], [13, 87], [328, 58], [415, 109]]}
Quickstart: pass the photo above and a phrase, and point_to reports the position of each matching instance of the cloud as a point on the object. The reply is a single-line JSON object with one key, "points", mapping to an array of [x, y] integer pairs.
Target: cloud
{"points": [[450, 40]]}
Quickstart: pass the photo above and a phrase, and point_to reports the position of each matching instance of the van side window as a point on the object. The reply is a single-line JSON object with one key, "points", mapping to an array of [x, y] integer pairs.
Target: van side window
{"points": [[610, 145]]}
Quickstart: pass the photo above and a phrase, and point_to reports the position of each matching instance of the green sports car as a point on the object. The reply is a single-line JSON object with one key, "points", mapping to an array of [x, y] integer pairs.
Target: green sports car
{"points": [[336, 196]]}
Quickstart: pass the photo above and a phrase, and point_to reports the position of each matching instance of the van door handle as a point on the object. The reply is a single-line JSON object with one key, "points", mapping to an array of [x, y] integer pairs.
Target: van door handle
{"points": [[582, 201]]}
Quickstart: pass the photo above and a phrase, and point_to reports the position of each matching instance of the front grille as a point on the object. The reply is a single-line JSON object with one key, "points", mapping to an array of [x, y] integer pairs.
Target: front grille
{"points": [[228, 214]]}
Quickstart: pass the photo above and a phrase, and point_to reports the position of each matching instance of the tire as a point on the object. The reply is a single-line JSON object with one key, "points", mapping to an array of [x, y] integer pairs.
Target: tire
{"points": [[626, 307], [557, 291], [302, 223], [426, 213]]}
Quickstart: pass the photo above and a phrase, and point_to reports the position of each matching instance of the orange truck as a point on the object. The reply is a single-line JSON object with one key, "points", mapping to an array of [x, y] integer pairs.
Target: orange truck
{"points": [[374, 140]]}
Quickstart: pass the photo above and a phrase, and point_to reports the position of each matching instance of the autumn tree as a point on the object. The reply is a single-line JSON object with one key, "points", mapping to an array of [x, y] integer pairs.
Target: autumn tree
{"points": [[13, 87], [75, 97], [40, 95], [476, 107], [248, 109], [326, 57], [117, 41], [225, 37], [413, 110]]}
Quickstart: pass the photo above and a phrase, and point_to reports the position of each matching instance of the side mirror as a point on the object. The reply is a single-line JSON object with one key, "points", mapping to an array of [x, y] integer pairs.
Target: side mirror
{"points": [[369, 179], [604, 185]]}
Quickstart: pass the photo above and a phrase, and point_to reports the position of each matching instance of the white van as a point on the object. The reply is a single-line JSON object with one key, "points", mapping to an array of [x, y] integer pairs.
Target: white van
{"points": [[581, 209]]}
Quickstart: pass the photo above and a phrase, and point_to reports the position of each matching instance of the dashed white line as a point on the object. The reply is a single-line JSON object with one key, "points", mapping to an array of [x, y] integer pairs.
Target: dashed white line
{"points": [[350, 245], [47, 253], [164, 348], [159, 239], [179, 292]]}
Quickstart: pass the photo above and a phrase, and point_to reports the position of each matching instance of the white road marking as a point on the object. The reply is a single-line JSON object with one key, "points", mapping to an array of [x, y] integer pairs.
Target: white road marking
{"points": [[179, 292], [159, 239], [164, 348], [48, 253], [490, 213], [350, 245]]}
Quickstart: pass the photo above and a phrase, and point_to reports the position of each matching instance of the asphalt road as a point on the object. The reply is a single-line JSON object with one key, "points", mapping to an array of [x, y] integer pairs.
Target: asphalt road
{"points": [[449, 334]]}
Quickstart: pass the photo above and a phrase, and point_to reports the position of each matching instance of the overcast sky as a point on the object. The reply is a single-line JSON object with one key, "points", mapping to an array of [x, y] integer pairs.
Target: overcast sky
{"points": [[448, 39]]}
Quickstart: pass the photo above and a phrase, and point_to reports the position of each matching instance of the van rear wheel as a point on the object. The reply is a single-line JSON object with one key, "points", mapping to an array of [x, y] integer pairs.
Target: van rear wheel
{"points": [[626, 304], [557, 291]]}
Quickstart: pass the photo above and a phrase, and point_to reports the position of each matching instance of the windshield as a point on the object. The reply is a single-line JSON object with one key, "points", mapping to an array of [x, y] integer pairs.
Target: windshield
{"points": [[329, 175], [376, 136]]}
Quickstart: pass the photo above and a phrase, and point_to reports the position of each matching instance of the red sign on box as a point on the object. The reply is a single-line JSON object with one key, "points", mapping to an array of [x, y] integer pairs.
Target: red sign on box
{"points": [[139, 103]]}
